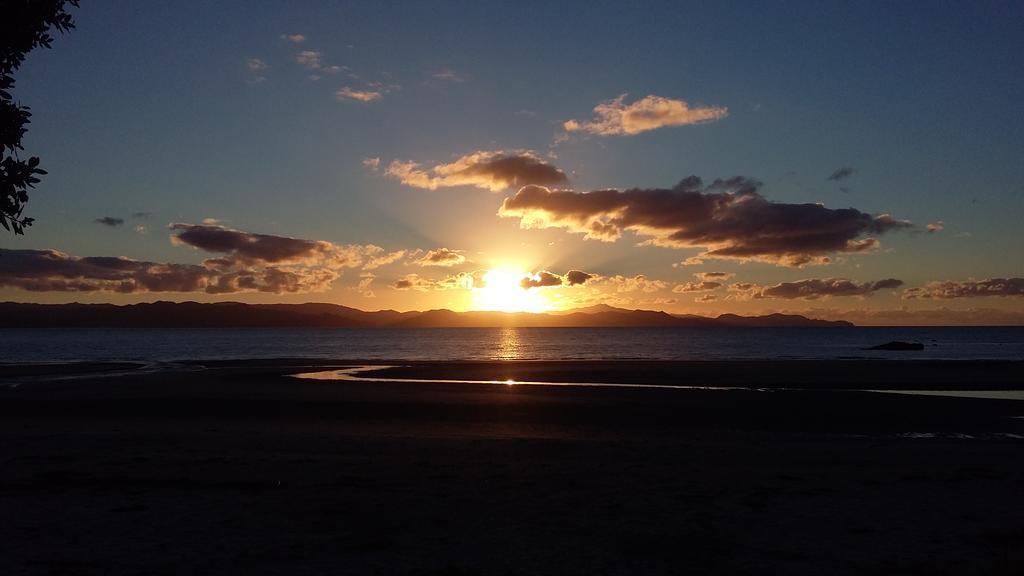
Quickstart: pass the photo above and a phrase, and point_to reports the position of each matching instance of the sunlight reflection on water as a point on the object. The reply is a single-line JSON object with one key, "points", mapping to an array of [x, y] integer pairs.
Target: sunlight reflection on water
{"points": [[509, 347]]}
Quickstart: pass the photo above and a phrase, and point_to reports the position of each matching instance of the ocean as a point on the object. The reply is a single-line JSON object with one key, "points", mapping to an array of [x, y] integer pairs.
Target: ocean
{"points": [[168, 345]]}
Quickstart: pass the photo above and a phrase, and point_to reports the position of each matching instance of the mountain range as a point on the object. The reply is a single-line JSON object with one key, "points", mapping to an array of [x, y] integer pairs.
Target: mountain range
{"points": [[238, 315]]}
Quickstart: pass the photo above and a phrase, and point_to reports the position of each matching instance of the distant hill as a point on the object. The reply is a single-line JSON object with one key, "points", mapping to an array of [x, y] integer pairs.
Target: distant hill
{"points": [[238, 315]]}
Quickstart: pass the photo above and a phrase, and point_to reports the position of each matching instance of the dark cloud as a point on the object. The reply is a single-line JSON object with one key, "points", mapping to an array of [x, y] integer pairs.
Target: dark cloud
{"points": [[728, 219], [493, 171], [109, 221], [575, 277], [249, 262], [544, 279], [815, 288], [441, 257], [841, 174], [716, 276], [54, 271], [251, 248], [999, 287], [541, 279], [140, 215]]}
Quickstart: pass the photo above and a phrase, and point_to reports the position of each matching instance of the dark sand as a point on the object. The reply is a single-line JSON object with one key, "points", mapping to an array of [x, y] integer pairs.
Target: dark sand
{"points": [[238, 468]]}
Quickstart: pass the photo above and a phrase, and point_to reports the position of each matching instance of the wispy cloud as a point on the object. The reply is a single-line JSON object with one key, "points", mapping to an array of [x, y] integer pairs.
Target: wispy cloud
{"points": [[349, 93], [636, 283], [441, 257], [257, 69], [700, 286], [841, 174], [448, 75], [293, 38], [616, 117], [311, 59], [991, 287], [460, 281]]}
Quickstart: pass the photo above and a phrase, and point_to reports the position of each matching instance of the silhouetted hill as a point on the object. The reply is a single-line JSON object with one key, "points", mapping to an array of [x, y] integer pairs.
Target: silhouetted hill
{"points": [[595, 309], [162, 315], [238, 315], [378, 318], [771, 320]]}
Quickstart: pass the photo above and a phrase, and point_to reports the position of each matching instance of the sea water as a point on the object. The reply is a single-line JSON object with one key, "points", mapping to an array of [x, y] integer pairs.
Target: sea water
{"points": [[85, 344]]}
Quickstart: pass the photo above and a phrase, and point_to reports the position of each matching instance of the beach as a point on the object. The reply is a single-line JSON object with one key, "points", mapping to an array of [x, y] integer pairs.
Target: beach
{"points": [[237, 466]]}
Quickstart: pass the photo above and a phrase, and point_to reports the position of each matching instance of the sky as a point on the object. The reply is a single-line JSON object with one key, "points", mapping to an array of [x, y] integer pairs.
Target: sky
{"points": [[847, 160]]}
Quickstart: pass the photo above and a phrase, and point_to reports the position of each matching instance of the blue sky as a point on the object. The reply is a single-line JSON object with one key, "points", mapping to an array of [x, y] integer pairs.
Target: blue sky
{"points": [[159, 108]]}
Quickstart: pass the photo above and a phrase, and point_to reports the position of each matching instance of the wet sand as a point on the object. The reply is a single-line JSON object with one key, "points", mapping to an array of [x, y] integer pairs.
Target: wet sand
{"points": [[236, 467]]}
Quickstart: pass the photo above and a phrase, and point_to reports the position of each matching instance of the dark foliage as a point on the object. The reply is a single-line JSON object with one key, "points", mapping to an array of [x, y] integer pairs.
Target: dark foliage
{"points": [[24, 25]]}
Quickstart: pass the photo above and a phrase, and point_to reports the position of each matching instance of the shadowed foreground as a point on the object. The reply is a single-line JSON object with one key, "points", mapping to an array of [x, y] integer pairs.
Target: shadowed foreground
{"points": [[240, 470]]}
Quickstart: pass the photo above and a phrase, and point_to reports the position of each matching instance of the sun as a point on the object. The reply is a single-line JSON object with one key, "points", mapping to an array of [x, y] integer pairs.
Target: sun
{"points": [[501, 291]]}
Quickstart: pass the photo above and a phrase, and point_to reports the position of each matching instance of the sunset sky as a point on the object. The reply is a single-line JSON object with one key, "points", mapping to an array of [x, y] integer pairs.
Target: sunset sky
{"points": [[848, 160]]}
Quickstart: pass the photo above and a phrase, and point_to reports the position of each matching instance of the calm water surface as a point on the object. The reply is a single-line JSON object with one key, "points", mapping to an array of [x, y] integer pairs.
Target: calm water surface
{"points": [[49, 345]]}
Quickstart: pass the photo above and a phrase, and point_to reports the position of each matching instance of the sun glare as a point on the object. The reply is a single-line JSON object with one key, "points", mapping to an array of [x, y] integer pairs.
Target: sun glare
{"points": [[502, 292]]}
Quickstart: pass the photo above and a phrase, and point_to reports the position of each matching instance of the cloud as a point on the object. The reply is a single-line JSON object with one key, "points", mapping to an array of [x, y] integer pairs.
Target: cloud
{"points": [[814, 288], [51, 270], [293, 38], [998, 287], [935, 227], [714, 276], [441, 257], [494, 171], [141, 215], [841, 174], [462, 280], [311, 59], [706, 298], [256, 69], [377, 257], [371, 163], [638, 283], [448, 75], [615, 117], [702, 286], [109, 221], [540, 280], [576, 277], [243, 262], [348, 93], [140, 229], [544, 279], [729, 219], [365, 286], [256, 65], [249, 247]]}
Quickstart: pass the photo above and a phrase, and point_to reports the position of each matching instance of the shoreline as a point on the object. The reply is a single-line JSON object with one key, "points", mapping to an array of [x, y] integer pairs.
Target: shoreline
{"points": [[839, 374], [238, 467]]}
